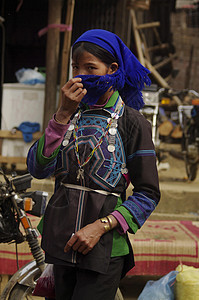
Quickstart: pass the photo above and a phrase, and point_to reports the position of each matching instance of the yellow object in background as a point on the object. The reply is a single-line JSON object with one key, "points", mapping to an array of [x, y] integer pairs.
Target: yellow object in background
{"points": [[165, 101], [187, 283]]}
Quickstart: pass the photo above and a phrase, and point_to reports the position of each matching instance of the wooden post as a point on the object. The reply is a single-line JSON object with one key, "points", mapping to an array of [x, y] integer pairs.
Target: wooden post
{"points": [[161, 81], [66, 45], [52, 57], [138, 41]]}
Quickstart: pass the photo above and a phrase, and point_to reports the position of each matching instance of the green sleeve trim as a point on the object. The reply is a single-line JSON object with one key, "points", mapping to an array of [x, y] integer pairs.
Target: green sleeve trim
{"points": [[128, 217], [120, 245], [41, 159], [119, 202]]}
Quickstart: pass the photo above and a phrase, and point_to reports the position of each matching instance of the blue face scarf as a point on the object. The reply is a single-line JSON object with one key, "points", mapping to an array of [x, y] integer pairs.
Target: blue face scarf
{"points": [[97, 85], [130, 77]]}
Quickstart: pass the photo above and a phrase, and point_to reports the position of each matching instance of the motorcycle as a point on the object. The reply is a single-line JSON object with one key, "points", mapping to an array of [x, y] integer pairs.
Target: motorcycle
{"points": [[181, 107], [186, 115], [15, 205], [151, 97]]}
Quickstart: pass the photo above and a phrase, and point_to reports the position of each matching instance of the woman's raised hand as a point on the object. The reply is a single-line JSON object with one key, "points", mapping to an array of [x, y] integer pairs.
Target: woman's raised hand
{"points": [[72, 94]]}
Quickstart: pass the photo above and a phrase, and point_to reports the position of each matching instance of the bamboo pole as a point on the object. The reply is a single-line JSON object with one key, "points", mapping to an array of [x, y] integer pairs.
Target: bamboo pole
{"points": [[66, 45], [161, 81], [137, 38], [52, 58], [148, 25]]}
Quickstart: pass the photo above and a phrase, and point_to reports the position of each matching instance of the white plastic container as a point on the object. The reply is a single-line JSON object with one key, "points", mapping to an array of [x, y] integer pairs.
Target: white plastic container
{"points": [[20, 103]]}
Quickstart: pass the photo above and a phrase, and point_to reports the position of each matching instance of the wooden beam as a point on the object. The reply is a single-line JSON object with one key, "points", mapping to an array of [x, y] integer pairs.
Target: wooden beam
{"points": [[139, 4], [165, 61], [168, 78], [12, 160], [66, 46], [144, 46], [6, 134], [137, 38], [52, 58], [158, 47], [162, 82], [148, 25]]}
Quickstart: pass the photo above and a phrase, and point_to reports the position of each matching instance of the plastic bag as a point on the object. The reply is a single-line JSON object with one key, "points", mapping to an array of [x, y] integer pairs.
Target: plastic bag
{"points": [[27, 129], [29, 76], [187, 283], [162, 289], [45, 286]]}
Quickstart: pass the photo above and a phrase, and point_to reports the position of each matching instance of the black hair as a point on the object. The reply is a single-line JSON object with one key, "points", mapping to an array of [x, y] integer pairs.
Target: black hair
{"points": [[105, 56]]}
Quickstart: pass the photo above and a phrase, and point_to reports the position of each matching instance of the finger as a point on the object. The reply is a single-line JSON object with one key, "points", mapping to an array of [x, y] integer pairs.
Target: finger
{"points": [[72, 81], [77, 92], [81, 95], [80, 92], [70, 243], [86, 251], [82, 248], [70, 90], [77, 245], [75, 87]]}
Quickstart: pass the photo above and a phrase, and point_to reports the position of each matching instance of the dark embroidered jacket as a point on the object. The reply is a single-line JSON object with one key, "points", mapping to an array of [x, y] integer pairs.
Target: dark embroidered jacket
{"points": [[70, 209]]}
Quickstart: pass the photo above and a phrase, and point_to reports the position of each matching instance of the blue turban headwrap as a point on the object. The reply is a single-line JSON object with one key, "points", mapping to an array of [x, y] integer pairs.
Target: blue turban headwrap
{"points": [[130, 77]]}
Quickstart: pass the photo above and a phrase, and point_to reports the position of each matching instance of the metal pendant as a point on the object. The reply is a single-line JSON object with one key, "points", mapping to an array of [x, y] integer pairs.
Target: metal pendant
{"points": [[71, 127], [65, 142], [112, 130], [124, 169], [111, 148], [80, 173]]}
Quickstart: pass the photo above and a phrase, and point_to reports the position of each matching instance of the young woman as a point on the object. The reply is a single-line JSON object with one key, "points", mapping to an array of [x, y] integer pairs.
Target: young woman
{"points": [[95, 145]]}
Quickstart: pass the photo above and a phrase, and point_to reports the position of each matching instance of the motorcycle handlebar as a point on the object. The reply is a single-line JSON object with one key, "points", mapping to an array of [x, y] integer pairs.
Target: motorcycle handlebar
{"points": [[33, 202]]}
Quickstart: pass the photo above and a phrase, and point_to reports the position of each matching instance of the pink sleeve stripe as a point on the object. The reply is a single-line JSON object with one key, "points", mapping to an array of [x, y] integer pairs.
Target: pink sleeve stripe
{"points": [[123, 224], [54, 135]]}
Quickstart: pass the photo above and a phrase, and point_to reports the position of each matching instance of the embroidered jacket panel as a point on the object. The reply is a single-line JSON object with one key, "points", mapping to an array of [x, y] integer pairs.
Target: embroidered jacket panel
{"points": [[135, 132]]}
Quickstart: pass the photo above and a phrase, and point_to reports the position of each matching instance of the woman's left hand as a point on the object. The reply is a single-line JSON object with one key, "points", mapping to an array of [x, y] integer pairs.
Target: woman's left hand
{"points": [[86, 238]]}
